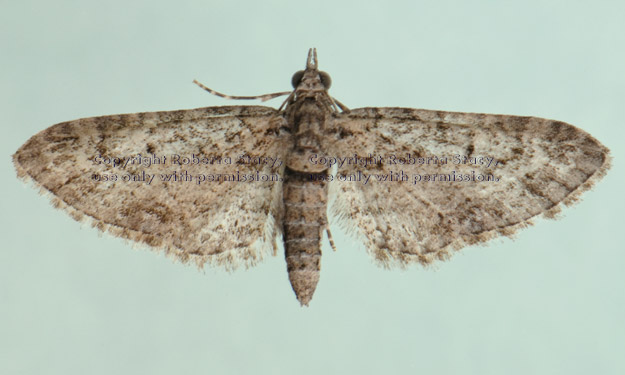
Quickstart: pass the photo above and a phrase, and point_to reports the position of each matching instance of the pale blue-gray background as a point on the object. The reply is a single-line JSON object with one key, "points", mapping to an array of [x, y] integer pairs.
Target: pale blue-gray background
{"points": [[75, 302]]}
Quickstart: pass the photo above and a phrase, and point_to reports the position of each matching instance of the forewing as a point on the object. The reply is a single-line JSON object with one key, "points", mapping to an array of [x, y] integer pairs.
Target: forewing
{"points": [[221, 221], [542, 163]]}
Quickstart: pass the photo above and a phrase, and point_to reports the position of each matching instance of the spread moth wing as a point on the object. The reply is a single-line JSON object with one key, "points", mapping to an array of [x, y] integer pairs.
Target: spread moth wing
{"points": [[542, 164], [222, 222]]}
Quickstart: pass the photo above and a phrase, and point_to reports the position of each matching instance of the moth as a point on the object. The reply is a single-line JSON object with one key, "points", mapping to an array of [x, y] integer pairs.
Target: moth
{"points": [[224, 185]]}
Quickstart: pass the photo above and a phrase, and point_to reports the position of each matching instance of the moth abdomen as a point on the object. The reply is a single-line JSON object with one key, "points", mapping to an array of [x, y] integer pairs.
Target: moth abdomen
{"points": [[305, 203]]}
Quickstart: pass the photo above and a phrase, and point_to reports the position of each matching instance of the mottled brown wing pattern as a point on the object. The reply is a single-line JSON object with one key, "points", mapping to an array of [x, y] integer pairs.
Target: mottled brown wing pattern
{"points": [[236, 213], [543, 163], [222, 222]]}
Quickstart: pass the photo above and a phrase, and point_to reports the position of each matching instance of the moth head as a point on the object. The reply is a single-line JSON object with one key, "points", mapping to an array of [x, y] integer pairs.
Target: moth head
{"points": [[324, 77], [326, 81], [311, 61], [311, 75], [297, 78]]}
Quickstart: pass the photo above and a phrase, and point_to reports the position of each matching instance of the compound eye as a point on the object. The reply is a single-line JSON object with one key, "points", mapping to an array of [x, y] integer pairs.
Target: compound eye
{"points": [[297, 78], [325, 79]]}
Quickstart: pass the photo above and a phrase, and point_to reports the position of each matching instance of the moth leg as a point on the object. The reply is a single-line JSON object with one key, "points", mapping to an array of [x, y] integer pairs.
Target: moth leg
{"points": [[341, 105], [289, 100], [330, 238], [278, 123]]}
